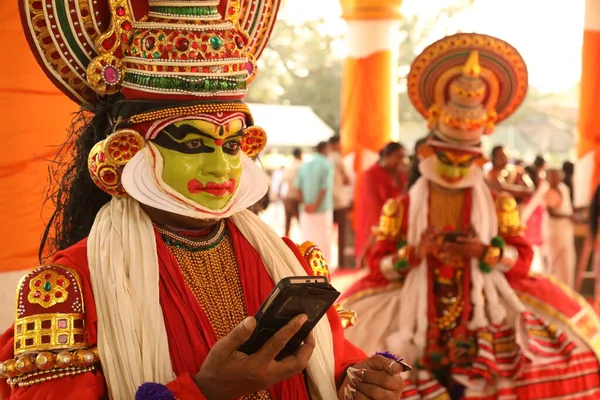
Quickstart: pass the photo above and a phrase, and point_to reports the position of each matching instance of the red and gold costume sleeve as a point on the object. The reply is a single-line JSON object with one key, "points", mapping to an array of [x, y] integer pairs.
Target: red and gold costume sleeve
{"points": [[517, 253], [345, 353], [50, 352], [391, 257]]}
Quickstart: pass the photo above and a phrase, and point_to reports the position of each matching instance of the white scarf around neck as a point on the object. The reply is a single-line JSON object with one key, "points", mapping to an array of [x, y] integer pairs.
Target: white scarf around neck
{"points": [[411, 339], [132, 339]]}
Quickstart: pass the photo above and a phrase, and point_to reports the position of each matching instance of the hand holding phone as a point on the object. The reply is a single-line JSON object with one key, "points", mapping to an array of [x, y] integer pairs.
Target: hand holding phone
{"points": [[453, 237], [309, 295], [227, 373]]}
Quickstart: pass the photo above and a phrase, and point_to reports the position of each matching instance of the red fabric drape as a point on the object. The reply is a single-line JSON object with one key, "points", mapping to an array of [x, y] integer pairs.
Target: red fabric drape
{"points": [[35, 116], [589, 107], [368, 110]]}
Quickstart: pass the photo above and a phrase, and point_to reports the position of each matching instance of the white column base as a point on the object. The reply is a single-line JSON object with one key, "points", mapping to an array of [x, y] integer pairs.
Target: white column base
{"points": [[364, 38], [592, 15]]}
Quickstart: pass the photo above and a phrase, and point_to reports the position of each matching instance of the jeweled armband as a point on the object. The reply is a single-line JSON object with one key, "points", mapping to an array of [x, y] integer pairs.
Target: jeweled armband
{"points": [[50, 338], [395, 266]]}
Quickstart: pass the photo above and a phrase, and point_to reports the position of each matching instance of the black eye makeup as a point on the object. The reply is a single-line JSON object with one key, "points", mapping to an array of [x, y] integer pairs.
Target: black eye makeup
{"points": [[232, 147], [194, 144], [188, 139], [443, 158]]}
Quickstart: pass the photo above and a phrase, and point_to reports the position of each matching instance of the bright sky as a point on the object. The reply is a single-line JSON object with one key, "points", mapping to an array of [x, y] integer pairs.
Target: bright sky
{"points": [[547, 33]]}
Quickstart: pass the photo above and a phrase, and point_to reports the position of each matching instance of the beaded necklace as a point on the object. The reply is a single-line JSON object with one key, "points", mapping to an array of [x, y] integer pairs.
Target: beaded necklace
{"points": [[210, 270]]}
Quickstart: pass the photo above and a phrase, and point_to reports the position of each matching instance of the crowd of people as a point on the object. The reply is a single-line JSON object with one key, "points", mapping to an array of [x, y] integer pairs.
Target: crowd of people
{"points": [[322, 195]]}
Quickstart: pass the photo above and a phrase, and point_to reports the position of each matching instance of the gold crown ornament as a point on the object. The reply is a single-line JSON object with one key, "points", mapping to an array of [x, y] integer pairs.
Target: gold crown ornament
{"points": [[170, 50], [465, 84], [167, 58]]}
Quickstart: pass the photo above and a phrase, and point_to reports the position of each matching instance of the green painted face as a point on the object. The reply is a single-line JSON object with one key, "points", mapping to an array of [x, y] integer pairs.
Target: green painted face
{"points": [[202, 160], [453, 166]]}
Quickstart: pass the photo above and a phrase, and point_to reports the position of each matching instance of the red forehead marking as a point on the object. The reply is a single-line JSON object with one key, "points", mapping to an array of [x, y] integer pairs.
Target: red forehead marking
{"points": [[219, 142]]}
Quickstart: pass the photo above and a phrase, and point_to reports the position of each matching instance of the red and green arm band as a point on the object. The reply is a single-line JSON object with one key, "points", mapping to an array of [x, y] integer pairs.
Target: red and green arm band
{"points": [[396, 266], [493, 255]]}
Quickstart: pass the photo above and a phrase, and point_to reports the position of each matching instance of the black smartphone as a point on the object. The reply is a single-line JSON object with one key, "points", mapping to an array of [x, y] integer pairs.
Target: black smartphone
{"points": [[310, 295]]}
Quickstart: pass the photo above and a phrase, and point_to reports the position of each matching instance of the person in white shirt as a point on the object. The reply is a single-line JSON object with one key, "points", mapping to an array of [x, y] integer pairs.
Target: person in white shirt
{"points": [[560, 230], [341, 195], [288, 193]]}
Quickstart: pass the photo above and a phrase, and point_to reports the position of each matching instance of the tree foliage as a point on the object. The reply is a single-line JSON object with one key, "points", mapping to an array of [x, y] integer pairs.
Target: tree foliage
{"points": [[302, 65], [299, 67]]}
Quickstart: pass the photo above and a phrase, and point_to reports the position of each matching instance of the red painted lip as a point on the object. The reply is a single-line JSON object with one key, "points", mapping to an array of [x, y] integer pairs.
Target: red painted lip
{"points": [[452, 180], [216, 189]]}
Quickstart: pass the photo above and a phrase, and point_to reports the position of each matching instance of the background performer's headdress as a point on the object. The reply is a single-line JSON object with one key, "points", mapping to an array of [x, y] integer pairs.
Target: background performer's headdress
{"points": [[465, 84]]}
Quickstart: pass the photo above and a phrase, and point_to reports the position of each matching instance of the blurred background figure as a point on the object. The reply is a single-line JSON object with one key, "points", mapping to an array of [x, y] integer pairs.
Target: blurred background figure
{"points": [[288, 192], [537, 170], [385, 179], [507, 177], [341, 196], [568, 169], [275, 180], [315, 189], [559, 234], [413, 170]]}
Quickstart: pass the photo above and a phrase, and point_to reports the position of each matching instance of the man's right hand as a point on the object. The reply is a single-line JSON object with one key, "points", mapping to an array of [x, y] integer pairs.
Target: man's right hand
{"points": [[228, 374], [430, 242]]}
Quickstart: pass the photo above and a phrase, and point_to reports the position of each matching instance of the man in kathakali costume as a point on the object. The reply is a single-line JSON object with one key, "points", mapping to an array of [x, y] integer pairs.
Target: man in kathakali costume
{"points": [[449, 286], [157, 260]]}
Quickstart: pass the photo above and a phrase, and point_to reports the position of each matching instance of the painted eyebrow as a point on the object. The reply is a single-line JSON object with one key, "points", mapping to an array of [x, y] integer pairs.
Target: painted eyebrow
{"points": [[239, 133], [180, 132]]}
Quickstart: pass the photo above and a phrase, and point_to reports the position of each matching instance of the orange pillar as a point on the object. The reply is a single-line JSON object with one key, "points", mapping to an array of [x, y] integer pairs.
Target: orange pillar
{"points": [[369, 97], [589, 107]]}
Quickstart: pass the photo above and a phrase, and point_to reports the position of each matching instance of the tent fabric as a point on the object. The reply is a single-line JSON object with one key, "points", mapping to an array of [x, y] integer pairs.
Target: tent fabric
{"points": [[306, 129], [35, 117]]}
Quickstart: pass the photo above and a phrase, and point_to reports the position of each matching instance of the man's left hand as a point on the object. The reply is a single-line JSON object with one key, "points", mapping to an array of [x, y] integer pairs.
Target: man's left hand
{"points": [[378, 379], [468, 247]]}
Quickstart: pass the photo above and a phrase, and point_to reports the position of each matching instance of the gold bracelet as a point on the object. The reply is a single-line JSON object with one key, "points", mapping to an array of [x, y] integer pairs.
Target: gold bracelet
{"points": [[492, 256], [46, 361]]}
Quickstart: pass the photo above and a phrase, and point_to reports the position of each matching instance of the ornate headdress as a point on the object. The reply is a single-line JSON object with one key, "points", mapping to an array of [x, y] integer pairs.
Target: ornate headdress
{"points": [[169, 59], [169, 50], [464, 85]]}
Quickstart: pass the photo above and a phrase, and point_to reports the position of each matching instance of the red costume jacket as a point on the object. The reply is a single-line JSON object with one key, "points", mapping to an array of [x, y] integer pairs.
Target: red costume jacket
{"points": [[190, 334], [387, 244]]}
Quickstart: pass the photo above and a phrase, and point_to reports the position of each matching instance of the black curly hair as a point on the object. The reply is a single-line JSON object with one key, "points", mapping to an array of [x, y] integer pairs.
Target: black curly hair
{"points": [[75, 197], [71, 191]]}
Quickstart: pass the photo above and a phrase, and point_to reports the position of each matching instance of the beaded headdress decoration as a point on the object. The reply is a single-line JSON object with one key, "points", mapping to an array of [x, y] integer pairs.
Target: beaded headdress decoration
{"points": [[168, 59], [464, 85]]}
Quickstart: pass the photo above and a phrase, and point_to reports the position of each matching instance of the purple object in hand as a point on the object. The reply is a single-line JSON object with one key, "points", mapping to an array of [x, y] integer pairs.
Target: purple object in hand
{"points": [[153, 391]]}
